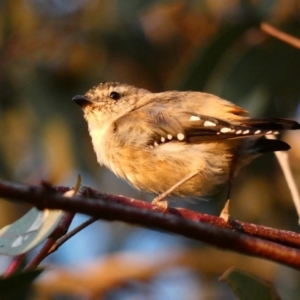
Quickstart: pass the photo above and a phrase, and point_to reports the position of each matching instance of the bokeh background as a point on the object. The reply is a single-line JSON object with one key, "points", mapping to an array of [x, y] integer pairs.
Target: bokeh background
{"points": [[52, 50]]}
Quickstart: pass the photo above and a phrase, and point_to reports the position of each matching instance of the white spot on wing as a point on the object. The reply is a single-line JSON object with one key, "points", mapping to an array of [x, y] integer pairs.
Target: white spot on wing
{"points": [[155, 144], [239, 132], [194, 118], [162, 139], [169, 136], [209, 123], [246, 131], [257, 132], [180, 136], [225, 130]]}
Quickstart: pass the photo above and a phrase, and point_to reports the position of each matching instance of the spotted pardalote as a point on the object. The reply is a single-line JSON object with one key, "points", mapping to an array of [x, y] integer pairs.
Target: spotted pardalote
{"points": [[184, 142]]}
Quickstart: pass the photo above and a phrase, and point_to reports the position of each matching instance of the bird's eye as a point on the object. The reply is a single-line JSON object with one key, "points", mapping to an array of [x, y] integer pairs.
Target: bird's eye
{"points": [[115, 95]]}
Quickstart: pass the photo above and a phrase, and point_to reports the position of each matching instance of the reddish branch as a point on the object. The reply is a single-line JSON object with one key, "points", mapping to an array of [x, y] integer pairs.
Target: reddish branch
{"points": [[14, 265], [284, 237], [280, 35], [41, 254], [233, 236]]}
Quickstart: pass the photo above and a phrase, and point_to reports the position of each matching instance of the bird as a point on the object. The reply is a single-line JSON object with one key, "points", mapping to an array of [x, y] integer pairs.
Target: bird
{"points": [[177, 143]]}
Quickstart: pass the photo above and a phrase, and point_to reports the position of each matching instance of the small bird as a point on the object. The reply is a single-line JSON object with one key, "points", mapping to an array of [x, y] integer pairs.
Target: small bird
{"points": [[177, 143]]}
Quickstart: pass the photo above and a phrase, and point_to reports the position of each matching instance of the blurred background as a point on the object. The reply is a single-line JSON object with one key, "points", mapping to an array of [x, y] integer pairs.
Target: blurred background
{"points": [[52, 50]]}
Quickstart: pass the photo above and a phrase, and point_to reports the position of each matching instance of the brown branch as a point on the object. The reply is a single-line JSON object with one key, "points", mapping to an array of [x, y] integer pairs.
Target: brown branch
{"points": [[189, 224], [280, 35]]}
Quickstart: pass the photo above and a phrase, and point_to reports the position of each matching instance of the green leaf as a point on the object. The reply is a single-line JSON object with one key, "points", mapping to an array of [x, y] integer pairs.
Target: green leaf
{"points": [[17, 285], [27, 232], [247, 286]]}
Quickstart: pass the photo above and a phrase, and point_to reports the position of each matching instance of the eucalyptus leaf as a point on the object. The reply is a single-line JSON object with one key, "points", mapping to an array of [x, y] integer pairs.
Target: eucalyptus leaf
{"points": [[247, 286], [27, 232]]}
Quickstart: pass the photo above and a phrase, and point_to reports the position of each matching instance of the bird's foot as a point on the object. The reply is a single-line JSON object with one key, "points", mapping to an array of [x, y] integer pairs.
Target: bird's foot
{"points": [[160, 202]]}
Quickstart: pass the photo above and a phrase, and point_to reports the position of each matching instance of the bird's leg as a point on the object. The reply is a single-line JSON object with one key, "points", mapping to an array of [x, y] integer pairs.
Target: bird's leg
{"points": [[225, 211], [159, 199]]}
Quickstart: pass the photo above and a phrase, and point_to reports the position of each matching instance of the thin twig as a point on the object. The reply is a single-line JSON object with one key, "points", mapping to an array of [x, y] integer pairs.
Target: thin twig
{"points": [[283, 160], [282, 157], [67, 236], [280, 35]]}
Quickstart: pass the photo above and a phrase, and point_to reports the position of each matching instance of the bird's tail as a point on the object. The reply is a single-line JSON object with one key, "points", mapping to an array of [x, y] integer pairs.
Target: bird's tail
{"points": [[272, 124], [264, 145]]}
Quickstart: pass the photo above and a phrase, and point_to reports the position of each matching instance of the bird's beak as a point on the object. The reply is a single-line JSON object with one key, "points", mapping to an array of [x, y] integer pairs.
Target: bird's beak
{"points": [[82, 100]]}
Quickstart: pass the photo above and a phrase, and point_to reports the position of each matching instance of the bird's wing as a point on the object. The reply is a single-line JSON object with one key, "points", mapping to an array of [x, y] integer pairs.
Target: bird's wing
{"points": [[162, 126], [196, 128]]}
